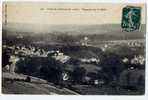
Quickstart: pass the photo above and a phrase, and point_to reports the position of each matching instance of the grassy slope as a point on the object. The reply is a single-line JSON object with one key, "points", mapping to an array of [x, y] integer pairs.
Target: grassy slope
{"points": [[36, 86]]}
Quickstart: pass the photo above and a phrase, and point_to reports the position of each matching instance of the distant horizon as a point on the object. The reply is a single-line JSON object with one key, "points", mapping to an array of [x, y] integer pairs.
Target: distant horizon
{"points": [[25, 27], [105, 31]]}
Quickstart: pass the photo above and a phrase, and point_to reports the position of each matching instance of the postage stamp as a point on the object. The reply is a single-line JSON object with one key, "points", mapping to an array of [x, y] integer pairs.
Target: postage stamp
{"points": [[131, 18]]}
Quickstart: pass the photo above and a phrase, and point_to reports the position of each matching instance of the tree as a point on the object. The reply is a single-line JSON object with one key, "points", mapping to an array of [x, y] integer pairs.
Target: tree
{"points": [[112, 65], [79, 74]]}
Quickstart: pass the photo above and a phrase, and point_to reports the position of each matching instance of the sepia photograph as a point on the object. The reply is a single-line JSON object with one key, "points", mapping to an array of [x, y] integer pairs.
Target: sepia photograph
{"points": [[73, 48]]}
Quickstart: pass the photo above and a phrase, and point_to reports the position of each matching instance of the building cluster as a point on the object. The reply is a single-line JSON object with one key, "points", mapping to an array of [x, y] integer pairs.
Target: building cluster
{"points": [[59, 56], [15, 52], [135, 60], [30, 51], [90, 60], [35, 52], [130, 43]]}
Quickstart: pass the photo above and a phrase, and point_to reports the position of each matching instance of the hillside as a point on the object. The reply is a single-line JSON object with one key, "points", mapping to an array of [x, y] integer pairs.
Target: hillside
{"points": [[36, 86], [81, 51]]}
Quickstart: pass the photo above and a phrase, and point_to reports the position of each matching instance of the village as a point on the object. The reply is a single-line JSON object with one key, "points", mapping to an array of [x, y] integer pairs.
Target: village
{"points": [[71, 72]]}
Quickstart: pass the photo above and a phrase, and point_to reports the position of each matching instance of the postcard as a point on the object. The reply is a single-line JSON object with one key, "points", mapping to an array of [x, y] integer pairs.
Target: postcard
{"points": [[73, 48]]}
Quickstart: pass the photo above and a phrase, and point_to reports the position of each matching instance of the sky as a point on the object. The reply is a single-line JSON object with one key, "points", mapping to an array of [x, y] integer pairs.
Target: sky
{"points": [[65, 13]]}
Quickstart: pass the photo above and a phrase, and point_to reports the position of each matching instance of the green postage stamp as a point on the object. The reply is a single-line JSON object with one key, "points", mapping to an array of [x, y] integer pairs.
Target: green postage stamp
{"points": [[131, 18]]}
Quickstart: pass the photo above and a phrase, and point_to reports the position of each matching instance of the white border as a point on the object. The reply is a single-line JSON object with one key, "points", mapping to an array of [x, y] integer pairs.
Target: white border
{"points": [[89, 1], [88, 97]]}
